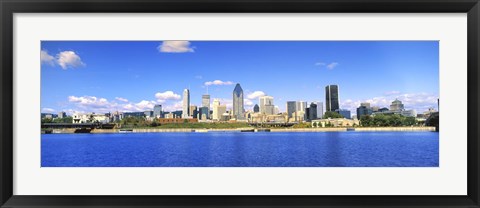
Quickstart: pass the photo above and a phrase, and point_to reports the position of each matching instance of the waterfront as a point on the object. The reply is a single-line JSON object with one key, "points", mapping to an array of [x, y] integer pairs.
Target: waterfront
{"points": [[247, 149]]}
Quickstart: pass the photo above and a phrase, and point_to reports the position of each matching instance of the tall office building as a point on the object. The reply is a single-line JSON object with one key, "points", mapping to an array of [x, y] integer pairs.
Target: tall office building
{"points": [[186, 103], [331, 98], [365, 104], [344, 113], [266, 105], [291, 108], [62, 114], [256, 108], [319, 109], [193, 111], [301, 106], [157, 111], [363, 110], [218, 110], [206, 101], [312, 111], [238, 102], [203, 113]]}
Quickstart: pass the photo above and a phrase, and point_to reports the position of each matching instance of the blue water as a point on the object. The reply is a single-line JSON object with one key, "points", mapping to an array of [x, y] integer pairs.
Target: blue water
{"points": [[235, 149]]}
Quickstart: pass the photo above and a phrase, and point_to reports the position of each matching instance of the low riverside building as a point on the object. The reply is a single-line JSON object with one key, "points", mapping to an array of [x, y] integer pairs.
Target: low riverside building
{"points": [[334, 122], [177, 120], [78, 118]]}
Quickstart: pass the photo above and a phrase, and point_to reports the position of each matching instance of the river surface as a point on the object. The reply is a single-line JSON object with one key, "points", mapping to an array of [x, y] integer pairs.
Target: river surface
{"points": [[242, 149]]}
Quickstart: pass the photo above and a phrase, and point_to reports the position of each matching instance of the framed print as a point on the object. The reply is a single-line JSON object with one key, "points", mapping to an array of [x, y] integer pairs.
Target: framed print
{"points": [[247, 104]]}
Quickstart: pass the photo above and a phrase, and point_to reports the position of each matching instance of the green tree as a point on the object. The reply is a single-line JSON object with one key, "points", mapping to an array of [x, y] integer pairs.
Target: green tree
{"points": [[331, 114]]}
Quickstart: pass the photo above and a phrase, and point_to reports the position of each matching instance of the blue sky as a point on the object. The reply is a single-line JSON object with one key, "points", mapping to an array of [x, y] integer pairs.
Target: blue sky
{"points": [[106, 76]]}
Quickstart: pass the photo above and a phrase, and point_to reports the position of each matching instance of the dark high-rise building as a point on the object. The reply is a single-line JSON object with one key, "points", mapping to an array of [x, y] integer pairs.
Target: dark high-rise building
{"points": [[331, 98], [193, 111], [363, 111], [291, 108], [203, 113], [238, 102], [312, 112], [344, 113], [256, 108], [306, 116]]}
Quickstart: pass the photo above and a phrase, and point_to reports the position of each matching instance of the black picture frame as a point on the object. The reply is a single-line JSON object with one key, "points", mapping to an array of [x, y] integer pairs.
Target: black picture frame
{"points": [[9, 7]]}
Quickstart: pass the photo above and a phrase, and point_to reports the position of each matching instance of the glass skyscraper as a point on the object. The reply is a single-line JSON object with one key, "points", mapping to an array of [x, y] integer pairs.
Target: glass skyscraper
{"points": [[256, 108], [157, 111], [331, 98], [291, 108], [238, 102], [206, 101]]}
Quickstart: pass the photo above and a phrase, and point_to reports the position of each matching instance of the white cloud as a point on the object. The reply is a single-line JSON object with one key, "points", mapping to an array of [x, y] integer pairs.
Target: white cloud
{"points": [[175, 47], [47, 58], [173, 106], [248, 102], [329, 66], [121, 99], [167, 95], [332, 65], [89, 102], [47, 110], [394, 92], [102, 105], [255, 94], [145, 105], [218, 82], [199, 77], [69, 59]]}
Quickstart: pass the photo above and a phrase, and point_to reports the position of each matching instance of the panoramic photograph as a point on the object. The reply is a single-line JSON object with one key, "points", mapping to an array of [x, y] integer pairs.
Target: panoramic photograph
{"points": [[187, 103]]}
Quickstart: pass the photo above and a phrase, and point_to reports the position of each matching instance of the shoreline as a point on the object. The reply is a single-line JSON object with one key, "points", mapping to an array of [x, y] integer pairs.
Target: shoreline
{"points": [[181, 130]]}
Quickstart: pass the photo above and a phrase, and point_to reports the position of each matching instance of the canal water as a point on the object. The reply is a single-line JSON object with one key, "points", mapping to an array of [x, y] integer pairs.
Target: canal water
{"points": [[242, 149]]}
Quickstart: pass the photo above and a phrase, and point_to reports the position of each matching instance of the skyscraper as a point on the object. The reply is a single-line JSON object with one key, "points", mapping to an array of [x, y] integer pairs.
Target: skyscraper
{"points": [[203, 113], [62, 114], [186, 103], [363, 110], [291, 108], [238, 102], [319, 109], [344, 113], [193, 111], [256, 108], [312, 111], [301, 106], [157, 111], [331, 98], [218, 110], [206, 101], [266, 105]]}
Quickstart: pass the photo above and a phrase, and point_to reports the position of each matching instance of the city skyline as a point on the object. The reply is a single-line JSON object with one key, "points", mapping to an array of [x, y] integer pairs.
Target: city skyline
{"points": [[91, 80]]}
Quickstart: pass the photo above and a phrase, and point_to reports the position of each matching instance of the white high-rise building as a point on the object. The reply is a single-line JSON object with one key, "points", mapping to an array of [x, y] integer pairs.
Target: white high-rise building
{"points": [[186, 103], [319, 109], [218, 110], [266, 105]]}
